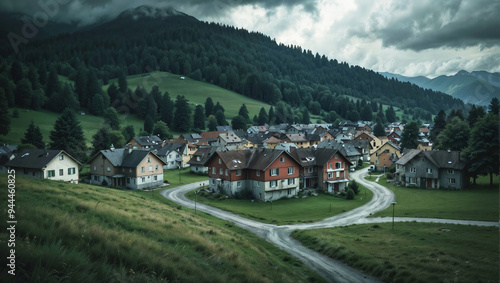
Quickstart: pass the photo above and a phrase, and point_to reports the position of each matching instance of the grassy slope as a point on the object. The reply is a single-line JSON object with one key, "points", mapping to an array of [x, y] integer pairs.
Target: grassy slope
{"points": [[46, 119], [83, 233], [478, 203], [413, 252], [289, 211], [195, 91]]}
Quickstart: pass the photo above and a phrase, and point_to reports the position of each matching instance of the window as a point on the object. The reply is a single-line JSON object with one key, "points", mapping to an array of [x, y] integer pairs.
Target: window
{"points": [[429, 170], [227, 174], [71, 171], [451, 181], [130, 170], [310, 169], [221, 171], [257, 173], [331, 166], [291, 181], [61, 157], [220, 161], [238, 172], [257, 184], [282, 159], [151, 168], [413, 170], [95, 168], [61, 172], [142, 169], [156, 168], [274, 172], [96, 178], [376, 161], [338, 165], [51, 173], [143, 179], [128, 180], [337, 174], [198, 158], [214, 170], [451, 171], [291, 170], [149, 159], [274, 184], [289, 191], [238, 184], [156, 178], [336, 156]]}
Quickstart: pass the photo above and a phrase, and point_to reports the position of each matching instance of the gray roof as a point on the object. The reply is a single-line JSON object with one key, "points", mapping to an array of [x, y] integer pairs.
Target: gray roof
{"points": [[440, 158], [314, 157], [255, 159], [169, 147], [346, 149], [152, 141], [36, 158], [122, 157], [204, 153]]}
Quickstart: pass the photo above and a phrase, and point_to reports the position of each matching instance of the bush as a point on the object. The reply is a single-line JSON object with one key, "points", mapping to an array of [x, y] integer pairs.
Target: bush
{"points": [[244, 194], [390, 175], [350, 194], [354, 186]]}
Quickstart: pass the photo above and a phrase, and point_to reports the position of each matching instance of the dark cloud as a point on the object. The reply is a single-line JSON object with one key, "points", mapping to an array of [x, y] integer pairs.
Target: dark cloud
{"points": [[452, 24], [87, 12]]}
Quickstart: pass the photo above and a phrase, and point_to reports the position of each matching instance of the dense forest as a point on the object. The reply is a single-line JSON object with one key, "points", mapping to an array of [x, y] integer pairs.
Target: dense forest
{"points": [[248, 63]]}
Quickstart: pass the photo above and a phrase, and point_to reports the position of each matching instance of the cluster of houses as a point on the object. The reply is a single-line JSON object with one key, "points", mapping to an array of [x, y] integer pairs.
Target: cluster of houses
{"points": [[270, 161]]}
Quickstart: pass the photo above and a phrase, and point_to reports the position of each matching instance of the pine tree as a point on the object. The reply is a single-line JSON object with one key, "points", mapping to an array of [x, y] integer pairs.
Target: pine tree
{"points": [[475, 114], [263, 118], [148, 124], [128, 132], [212, 123], [111, 118], [117, 139], [4, 114], [33, 136], [209, 107], [182, 115], [161, 130], [16, 71], [97, 106], [494, 106], [272, 116], [239, 123], [101, 140], [218, 107], [33, 77], [23, 93], [390, 114], [306, 119], [410, 136], [53, 84], [68, 135], [439, 125], [199, 117], [378, 130], [113, 95], [366, 113], [243, 112], [167, 109], [221, 118], [81, 86], [122, 82], [455, 135], [156, 94]]}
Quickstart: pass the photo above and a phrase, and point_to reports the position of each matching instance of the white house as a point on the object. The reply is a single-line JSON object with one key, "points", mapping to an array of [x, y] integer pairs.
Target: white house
{"points": [[52, 164]]}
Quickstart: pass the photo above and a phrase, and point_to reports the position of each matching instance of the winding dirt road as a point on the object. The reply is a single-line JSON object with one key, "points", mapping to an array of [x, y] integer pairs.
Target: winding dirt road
{"points": [[331, 270]]}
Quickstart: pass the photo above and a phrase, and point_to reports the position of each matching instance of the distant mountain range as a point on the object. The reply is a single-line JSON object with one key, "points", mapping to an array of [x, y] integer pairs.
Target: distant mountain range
{"points": [[477, 87]]}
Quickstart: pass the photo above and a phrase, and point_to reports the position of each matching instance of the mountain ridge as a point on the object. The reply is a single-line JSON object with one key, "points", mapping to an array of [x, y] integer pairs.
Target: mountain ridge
{"points": [[476, 87]]}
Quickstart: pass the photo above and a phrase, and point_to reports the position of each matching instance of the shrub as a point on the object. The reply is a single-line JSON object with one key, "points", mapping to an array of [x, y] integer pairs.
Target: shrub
{"points": [[350, 194], [354, 186], [390, 175], [244, 194]]}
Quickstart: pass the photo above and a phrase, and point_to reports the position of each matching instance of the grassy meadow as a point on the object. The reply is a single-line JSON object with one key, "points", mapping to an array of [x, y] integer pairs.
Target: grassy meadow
{"points": [[46, 120], [186, 177], [289, 211], [194, 91], [413, 252], [84, 233], [480, 202]]}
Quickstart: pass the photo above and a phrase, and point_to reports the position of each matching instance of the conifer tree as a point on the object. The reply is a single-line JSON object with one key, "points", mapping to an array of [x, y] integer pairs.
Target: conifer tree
{"points": [[101, 140], [272, 116], [212, 123], [33, 136], [128, 132], [221, 118], [209, 107], [4, 114], [122, 82], [111, 118], [199, 117], [167, 109], [182, 115], [148, 124], [306, 119], [243, 112], [410, 136], [68, 135], [263, 118], [239, 123]]}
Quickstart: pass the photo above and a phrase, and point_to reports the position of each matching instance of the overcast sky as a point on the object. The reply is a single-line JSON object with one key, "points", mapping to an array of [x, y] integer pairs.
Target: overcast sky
{"points": [[411, 38]]}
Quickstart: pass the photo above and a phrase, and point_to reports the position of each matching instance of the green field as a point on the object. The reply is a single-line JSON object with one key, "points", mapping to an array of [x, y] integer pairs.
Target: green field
{"points": [[413, 252], [46, 119], [479, 203], [289, 211], [194, 91], [186, 177], [84, 233]]}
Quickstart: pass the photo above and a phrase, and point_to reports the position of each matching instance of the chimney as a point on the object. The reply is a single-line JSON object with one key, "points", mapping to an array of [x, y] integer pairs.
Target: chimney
{"points": [[112, 148]]}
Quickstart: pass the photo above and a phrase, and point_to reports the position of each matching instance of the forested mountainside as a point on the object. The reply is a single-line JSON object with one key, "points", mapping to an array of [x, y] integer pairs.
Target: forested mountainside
{"points": [[146, 39]]}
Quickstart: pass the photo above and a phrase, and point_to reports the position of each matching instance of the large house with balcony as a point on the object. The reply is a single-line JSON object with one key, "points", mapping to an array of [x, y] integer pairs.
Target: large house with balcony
{"points": [[323, 168], [432, 169], [126, 168], [268, 174]]}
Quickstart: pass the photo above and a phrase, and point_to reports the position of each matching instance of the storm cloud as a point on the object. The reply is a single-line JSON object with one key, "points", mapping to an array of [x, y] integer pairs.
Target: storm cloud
{"points": [[411, 38]]}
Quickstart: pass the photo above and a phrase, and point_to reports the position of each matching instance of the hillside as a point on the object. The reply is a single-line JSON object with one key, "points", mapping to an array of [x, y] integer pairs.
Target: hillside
{"points": [[477, 87], [248, 63], [83, 233], [195, 91]]}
